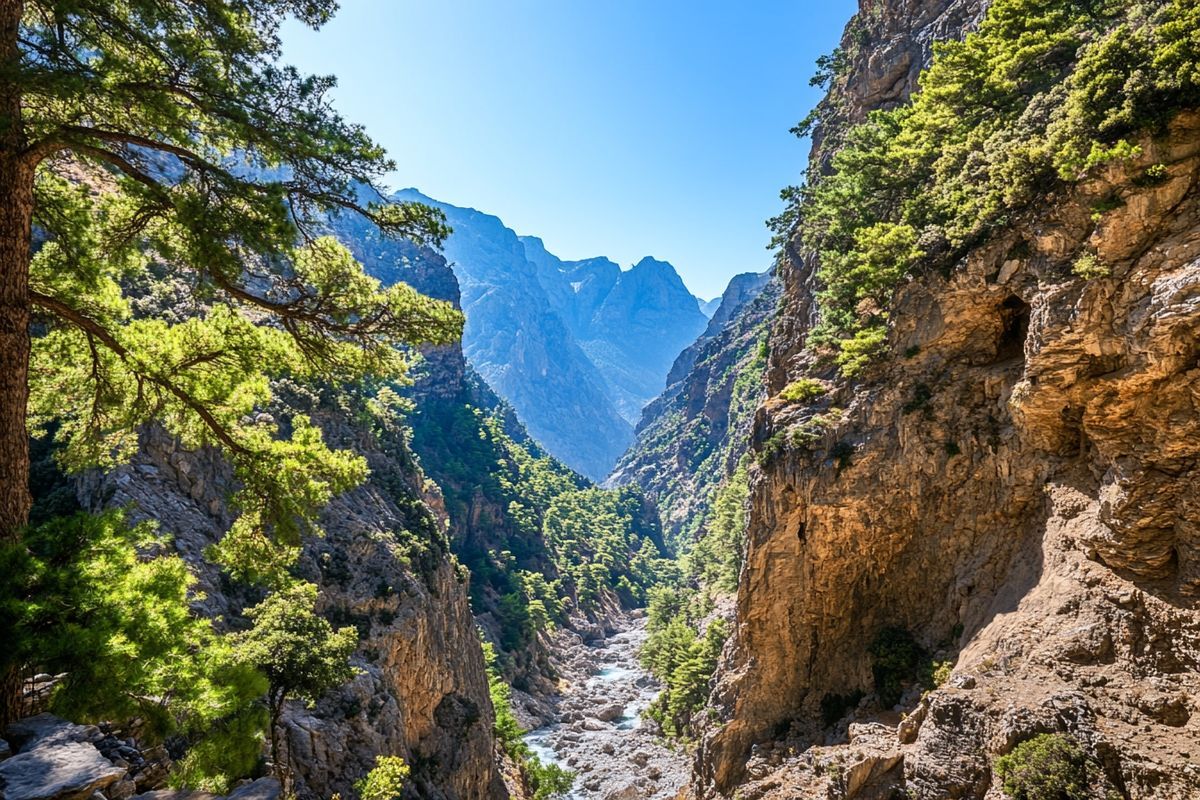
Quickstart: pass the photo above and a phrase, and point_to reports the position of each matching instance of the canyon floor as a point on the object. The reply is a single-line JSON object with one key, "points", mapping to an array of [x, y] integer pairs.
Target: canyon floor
{"points": [[596, 728]]}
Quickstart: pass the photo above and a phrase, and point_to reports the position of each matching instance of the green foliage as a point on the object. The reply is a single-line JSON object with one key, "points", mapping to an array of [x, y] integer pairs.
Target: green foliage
{"points": [[1155, 175], [385, 781], [559, 543], [896, 657], [1049, 766], [96, 599], [937, 673], [682, 657], [803, 390], [298, 651], [715, 559], [172, 158], [1042, 91], [1089, 267], [548, 781]]}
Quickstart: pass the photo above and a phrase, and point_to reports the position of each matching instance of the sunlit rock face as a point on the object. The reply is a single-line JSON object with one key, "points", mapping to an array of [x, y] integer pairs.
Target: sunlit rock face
{"points": [[1015, 488]]}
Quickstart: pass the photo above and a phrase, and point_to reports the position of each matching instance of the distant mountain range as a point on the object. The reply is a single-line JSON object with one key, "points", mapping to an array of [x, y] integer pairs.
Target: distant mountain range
{"points": [[578, 348]]}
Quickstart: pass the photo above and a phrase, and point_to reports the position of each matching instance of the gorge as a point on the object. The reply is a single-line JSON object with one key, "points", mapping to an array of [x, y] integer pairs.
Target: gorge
{"points": [[911, 513]]}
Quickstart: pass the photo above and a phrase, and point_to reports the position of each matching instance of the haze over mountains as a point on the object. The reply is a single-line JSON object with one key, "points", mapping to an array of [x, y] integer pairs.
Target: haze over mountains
{"points": [[578, 348]]}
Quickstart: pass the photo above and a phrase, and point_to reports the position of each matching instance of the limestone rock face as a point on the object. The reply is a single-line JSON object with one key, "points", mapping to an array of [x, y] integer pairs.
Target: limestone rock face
{"points": [[70, 771], [1018, 493], [1015, 487], [383, 566]]}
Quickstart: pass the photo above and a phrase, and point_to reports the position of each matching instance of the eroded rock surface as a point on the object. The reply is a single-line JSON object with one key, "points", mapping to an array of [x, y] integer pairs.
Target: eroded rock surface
{"points": [[1017, 491]]}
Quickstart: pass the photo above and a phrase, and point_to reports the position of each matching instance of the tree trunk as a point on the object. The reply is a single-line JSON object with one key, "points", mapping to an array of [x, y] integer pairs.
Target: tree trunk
{"points": [[16, 214]]}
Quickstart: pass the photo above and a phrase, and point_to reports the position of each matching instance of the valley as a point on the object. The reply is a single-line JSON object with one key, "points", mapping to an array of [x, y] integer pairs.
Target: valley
{"points": [[315, 490], [598, 729]]}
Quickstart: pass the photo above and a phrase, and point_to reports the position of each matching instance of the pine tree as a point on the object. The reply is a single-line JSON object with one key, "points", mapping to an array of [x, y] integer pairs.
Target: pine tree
{"points": [[163, 140], [300, 653]]}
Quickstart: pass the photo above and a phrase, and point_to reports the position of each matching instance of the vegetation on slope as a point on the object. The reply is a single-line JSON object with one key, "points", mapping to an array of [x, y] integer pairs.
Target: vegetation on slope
{"points": [[545, 780], [1040, 93], [120, 189], [685, 635], [553, 544]]}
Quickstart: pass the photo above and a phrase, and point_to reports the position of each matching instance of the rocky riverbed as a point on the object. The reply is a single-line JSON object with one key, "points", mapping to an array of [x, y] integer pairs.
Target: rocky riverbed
{"points": [[597, 730]]}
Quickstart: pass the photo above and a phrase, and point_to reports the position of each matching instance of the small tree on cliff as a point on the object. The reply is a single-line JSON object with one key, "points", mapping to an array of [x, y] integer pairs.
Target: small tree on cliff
{"points": [[300, 653], [134, 140]]}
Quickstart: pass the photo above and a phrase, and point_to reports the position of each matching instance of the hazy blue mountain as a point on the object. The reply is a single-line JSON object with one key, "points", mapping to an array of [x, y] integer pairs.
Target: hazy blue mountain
{"points": [[632, 324], [520, 345], [709, 307]]}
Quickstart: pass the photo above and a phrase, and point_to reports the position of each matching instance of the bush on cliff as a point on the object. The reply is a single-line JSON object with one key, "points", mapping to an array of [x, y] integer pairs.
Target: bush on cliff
{"points": [[1041, 92], [83, 596], [1049, 766]]}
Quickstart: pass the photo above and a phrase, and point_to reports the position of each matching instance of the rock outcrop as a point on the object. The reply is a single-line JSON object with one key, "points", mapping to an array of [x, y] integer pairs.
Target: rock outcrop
{"points": [[1013, 489], [384, 565], [693, 435], [43, 757]]}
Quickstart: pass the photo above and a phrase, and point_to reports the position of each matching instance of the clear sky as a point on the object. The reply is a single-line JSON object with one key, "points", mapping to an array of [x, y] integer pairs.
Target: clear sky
{"points": [[622, 128]]}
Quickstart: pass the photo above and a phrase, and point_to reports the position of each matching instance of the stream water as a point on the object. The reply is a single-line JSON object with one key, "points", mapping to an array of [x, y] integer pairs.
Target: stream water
{"points": [[598, 731]]}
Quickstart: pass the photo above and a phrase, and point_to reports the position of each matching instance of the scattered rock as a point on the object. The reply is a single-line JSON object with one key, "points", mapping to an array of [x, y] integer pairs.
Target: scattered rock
{"points": [[610, 713], [65, 771]]}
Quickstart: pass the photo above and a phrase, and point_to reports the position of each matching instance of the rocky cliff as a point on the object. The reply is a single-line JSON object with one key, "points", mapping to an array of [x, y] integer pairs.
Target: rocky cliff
{"points": [[383, 566], [692, 436], [1008, 498], [631, 324], [523, 349]]}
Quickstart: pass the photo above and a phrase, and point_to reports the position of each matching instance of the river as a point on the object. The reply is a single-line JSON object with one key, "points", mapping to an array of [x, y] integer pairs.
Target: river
{"points": [[598, 731]]}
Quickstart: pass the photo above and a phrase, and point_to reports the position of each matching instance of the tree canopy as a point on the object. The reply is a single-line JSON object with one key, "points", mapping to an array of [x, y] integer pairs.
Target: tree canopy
{"points": [[180, 181], [166, 189]]}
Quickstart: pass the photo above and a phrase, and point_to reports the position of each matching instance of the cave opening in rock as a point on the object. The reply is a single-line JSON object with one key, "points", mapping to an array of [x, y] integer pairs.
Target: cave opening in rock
{"points": [[1014, 319]]}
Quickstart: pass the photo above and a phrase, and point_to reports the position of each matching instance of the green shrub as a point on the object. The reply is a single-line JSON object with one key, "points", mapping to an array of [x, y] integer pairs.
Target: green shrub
{"points": [[385, 781], [802, 391], [1049, 766], [85, 596], [1089, 266], [548, 781], [1155, 175], [896, 658], [1102, 207], [936, 673]]}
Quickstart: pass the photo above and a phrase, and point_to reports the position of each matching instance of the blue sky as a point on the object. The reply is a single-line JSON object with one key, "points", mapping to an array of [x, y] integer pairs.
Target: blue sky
{"points": [[621, 128]]}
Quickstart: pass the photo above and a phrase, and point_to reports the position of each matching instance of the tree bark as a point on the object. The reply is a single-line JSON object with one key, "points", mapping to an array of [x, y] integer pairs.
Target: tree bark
{"points": [[16, 215]]}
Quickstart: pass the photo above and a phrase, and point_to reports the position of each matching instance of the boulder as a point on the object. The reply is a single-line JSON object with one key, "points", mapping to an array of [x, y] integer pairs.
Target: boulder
{"points": [[629, 792], [47, 730], [611, 712], [261, 789], [69, 771]]}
